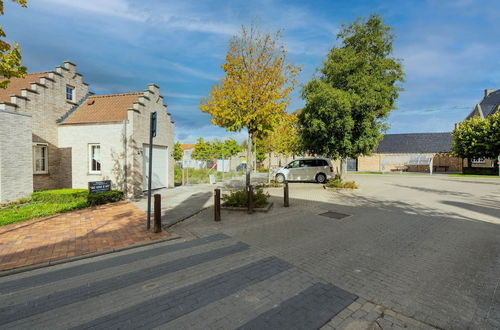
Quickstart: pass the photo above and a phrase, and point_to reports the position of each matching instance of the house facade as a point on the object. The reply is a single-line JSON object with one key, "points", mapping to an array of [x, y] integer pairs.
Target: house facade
{"points": [[75, 137]]}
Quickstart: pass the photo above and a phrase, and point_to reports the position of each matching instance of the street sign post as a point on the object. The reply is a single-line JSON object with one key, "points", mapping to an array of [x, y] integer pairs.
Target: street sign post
{"points": [[152, 134]]}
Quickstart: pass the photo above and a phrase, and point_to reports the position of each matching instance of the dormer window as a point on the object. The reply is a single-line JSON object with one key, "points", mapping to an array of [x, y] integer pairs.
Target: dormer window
{"points": [[70, 93]]}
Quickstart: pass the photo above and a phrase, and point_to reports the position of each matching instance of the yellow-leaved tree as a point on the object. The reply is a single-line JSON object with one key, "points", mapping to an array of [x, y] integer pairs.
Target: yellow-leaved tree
{"points": [[283, 140], [10, 55], [256, 88]]}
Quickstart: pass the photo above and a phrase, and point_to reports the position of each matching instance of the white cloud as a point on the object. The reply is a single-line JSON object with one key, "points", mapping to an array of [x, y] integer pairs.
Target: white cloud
{"points": [[116, 8]]}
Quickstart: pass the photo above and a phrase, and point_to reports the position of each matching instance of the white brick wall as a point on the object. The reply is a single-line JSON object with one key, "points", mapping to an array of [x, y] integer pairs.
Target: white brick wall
{"points": [[16, 165], [110, 137]]}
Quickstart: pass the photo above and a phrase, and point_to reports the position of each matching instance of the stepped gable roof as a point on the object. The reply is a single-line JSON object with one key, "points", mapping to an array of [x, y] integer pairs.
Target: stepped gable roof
{"points": [[16, 84], [96, 108], [415, 143]]}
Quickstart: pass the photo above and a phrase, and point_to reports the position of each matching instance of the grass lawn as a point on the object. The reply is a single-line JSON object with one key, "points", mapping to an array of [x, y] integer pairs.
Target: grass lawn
{"points": [[474, 176], [49, 202]]}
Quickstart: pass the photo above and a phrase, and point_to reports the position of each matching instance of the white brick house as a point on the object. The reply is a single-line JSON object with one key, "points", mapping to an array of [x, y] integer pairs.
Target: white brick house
{"points": [[56, 134]]}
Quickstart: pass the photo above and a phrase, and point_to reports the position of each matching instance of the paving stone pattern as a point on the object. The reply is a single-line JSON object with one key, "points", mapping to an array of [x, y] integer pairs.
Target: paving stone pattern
{"points": [[72, 234], [187, 285]]}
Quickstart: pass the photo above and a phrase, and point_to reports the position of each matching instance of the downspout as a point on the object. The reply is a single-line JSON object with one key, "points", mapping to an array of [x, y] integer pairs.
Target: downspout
{"points": [[125, 189]]}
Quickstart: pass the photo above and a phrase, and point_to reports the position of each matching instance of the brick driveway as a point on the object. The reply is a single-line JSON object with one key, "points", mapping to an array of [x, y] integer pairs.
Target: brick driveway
{"points": [[71, 234]]}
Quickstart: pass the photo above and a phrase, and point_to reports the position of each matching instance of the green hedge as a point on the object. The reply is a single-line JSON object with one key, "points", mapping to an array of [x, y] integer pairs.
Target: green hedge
{"points": [[104, 197], [480, 170]]}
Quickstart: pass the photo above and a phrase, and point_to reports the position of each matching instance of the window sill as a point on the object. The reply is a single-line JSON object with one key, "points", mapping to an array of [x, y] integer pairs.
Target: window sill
{"points": [[71, 102], [41, 173], [94, 173]]}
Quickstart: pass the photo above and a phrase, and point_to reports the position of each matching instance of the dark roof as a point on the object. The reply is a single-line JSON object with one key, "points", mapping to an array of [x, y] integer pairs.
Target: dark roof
{"points": [[415, 143], [489, 105]]}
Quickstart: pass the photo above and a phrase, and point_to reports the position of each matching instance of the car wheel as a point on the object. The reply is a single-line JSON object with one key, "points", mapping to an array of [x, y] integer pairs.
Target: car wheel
{"points": [[280, 178], [320, 178]]}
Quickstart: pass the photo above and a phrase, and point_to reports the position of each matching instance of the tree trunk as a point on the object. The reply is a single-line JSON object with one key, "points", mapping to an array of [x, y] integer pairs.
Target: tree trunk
{"points": [[269, 169], [249, 159]]}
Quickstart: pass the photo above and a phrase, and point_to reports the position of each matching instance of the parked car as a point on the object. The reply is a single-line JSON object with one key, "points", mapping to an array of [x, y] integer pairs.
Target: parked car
{"points": [[313, 169]]}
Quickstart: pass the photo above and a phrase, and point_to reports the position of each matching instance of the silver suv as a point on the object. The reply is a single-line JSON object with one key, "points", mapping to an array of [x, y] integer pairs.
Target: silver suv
{"points": [[313, 169]]}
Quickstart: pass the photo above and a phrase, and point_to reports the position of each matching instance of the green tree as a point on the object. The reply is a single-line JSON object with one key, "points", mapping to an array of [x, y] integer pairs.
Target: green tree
{"points": [[347, 105], [203, 150], [10, 55], [178, 152], [477, 138], [255, 90]]}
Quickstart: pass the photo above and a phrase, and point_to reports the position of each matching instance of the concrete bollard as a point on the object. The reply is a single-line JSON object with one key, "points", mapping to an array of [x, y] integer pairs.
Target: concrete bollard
{"points": [[217, 205], [157, 214]]}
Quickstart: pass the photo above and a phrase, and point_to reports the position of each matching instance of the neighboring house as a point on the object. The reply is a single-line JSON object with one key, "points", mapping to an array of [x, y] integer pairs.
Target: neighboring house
{"points": [[488, 105], [413, 152], [56, 134], [187, 161]]}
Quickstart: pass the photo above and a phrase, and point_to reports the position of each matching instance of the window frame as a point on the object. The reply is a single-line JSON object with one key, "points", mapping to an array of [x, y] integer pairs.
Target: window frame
{"points": [[46, 159], [91, 159], [72, 99]]}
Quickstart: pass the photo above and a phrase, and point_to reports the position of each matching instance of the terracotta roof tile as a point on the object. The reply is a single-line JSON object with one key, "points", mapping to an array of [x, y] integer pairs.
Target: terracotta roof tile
{"points": [[104, 108], [187, 146], [16, 84]]}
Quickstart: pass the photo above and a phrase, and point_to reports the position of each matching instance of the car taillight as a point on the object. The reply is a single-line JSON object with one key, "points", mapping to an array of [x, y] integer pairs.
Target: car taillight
{"points": [[331, 169]]}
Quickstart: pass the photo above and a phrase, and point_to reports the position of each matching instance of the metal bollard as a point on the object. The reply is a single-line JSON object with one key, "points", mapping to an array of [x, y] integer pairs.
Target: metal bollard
{"points": [[250, 199], [286, 197], [157, 219], [217, 205]]}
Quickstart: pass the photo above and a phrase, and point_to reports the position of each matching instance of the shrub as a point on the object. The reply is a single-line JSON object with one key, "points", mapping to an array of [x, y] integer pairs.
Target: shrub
{"points": [[59, 196], [239, 198], [338, 183], [263, 170], [104, 197], [272, 183]]}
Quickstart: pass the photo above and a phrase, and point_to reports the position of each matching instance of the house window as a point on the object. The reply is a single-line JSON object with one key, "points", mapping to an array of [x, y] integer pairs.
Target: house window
{"points": [[40, 159], [478, 161], [94, 158], [70, 93]]}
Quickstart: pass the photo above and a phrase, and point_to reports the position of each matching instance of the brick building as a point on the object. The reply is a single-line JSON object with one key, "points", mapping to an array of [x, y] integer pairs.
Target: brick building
{"points": [[54, 134]]}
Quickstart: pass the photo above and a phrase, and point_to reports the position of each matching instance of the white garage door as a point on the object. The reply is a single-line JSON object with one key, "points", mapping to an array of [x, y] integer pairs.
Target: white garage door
{"points": [[160, 167]]}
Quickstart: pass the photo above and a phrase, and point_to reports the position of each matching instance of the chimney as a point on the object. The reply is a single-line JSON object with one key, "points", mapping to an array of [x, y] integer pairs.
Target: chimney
{"points": [[488, 91]]}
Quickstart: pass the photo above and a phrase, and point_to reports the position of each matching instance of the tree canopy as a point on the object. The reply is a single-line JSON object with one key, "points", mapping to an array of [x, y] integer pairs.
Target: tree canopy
{"points": [[477, 138], [216, 149], [255, 90], [178, 152], [348, 103], [10, 55]]}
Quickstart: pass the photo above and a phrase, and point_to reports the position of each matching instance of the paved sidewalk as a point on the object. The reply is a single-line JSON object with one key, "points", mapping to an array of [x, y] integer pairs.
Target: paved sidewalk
{"points": [[182, 202], [72, 234]]}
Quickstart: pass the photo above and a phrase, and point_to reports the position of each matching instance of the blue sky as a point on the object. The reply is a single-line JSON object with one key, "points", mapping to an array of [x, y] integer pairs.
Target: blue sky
{"points": [[450, 49]]}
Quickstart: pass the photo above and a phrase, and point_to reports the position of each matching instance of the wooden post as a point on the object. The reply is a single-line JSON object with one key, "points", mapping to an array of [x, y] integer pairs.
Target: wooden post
{"points": [[286, 196], [157, 210], [217, 205], [250, 199]]}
